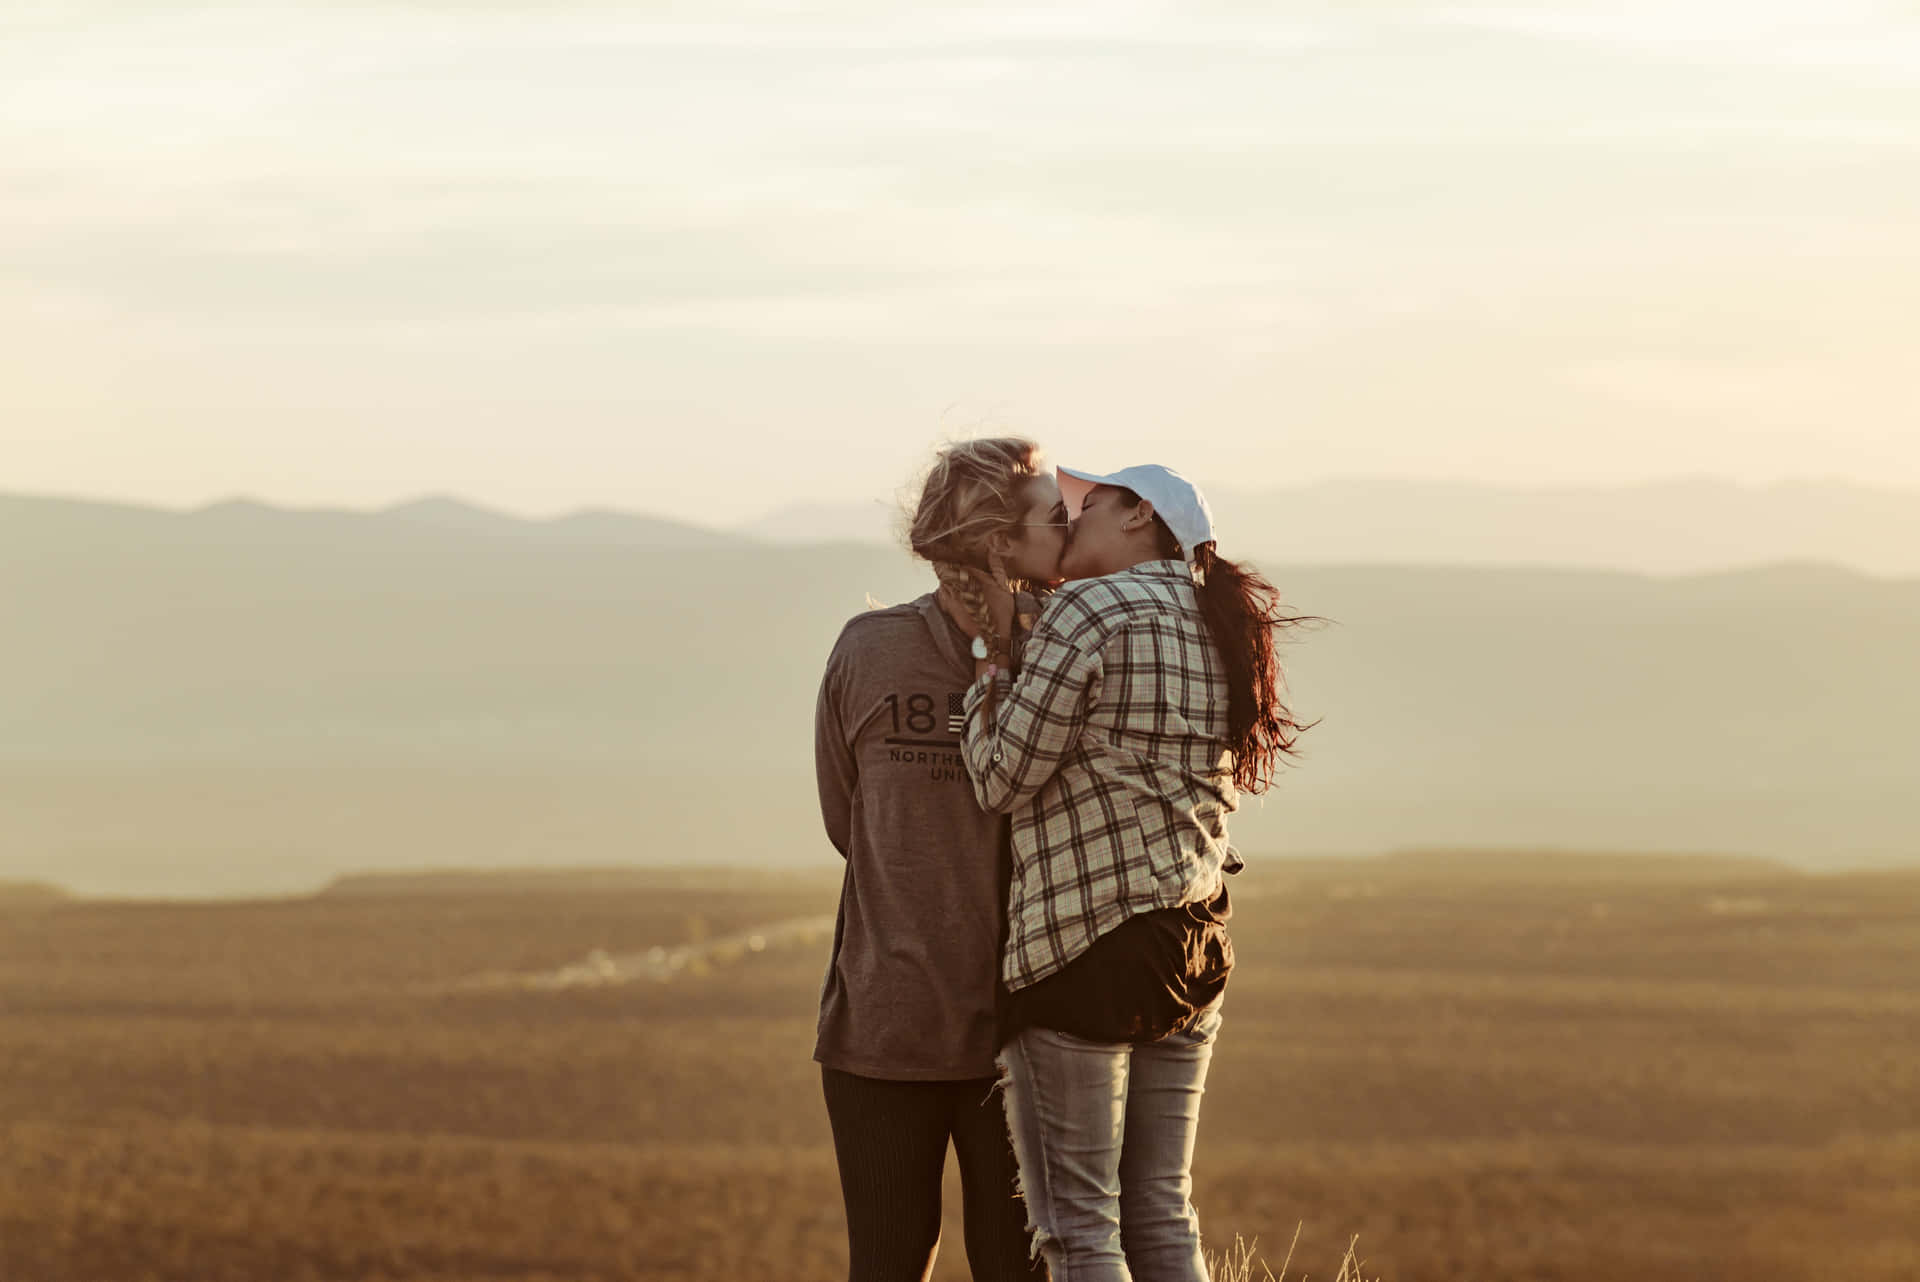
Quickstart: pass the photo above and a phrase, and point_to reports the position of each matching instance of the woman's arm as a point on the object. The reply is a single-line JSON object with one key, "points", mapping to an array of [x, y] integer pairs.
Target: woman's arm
{"points": [[1036, 719], [834, 767]]}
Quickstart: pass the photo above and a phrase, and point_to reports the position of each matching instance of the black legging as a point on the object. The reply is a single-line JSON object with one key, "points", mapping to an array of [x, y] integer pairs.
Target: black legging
{"points": [[891, 1142]]}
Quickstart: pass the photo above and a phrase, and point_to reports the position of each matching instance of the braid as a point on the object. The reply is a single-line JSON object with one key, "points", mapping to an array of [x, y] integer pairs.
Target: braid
{"points": [[964, 586]]}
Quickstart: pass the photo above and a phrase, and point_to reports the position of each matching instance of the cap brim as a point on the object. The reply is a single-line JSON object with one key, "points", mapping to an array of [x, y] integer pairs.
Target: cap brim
{"points": [[1076, 485]]}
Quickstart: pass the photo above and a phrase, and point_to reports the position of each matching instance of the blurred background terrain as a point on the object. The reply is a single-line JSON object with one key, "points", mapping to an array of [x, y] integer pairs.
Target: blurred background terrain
{"points": [[242, 699]]}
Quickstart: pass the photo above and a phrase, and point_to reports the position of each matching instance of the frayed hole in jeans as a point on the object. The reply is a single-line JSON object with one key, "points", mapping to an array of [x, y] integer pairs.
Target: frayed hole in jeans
{"points": [[1040, 1237]]}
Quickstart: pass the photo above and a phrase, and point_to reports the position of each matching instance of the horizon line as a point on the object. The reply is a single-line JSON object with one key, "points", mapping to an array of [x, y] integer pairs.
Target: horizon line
{"points": [[452, 499]]}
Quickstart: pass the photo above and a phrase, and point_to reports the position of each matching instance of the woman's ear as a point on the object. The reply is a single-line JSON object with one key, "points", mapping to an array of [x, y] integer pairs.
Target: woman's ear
{"points": [[1142, 515]]}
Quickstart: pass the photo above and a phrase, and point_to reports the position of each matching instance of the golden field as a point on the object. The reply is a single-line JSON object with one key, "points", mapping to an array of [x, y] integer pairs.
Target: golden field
{"points": [[1567, 1067]]}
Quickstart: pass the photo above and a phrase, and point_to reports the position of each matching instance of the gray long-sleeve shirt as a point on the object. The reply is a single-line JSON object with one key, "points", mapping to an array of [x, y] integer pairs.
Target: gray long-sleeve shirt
{"points": [[910, 991]]}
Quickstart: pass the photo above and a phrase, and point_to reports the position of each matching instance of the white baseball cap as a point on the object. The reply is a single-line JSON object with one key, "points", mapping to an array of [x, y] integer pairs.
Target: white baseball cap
{"points": [[1175, 499]]}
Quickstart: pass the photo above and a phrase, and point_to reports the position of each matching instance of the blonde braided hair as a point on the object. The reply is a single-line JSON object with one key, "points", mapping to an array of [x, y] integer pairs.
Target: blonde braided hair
{"points": [[972, 491], [966, 588]]}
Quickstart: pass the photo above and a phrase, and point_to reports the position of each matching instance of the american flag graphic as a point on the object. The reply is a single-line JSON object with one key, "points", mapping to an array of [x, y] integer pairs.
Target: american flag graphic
{"points": [[956, 713]]}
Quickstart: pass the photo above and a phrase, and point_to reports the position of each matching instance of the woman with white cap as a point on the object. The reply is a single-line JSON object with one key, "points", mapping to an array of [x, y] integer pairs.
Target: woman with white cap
{"points": [[1147, 698]]}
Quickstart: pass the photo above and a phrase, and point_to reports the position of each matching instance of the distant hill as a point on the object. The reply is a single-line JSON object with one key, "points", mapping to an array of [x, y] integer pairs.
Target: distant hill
{"points": [[562, 881], [185, 709], [1684, 526], [34, 520], [875, 521], [1467, 868], [14, 894]]}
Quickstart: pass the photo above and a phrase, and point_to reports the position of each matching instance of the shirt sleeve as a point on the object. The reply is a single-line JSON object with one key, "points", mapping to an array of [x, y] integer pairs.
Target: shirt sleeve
{"points": [[834, 767], [1037, 718]]}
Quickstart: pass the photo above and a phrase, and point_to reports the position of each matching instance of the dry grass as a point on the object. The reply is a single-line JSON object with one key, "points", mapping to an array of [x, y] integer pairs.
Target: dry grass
{"points": [[1236, 1263], [1483, 1078]]}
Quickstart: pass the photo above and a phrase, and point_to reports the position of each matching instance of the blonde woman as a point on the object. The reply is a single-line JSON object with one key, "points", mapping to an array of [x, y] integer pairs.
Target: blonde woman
{"points": [[909, 1010]]}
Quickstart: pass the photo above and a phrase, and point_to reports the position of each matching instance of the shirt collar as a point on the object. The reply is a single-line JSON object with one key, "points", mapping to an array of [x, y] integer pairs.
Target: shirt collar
{"points": [[1168, 569]]}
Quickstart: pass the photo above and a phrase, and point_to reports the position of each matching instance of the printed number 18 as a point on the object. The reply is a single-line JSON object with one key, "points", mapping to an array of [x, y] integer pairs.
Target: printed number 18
{"points": [[919, 713]]}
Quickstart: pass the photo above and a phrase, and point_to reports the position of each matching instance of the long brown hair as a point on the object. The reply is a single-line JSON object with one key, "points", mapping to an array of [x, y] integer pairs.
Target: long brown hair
{"points": [[1243, 615], [971, 492]]}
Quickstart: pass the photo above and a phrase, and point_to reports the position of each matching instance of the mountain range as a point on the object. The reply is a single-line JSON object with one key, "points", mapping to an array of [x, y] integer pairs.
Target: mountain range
{"points": [[247, 700], [1682, 526]]}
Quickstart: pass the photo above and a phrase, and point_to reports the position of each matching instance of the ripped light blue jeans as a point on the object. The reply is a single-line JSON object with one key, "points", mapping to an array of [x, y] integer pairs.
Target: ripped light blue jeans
{"points": [[1104, 1136]]}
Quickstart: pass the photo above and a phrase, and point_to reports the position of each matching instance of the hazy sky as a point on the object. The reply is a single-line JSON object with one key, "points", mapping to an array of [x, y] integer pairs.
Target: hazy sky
{"points": [[707, 259]]}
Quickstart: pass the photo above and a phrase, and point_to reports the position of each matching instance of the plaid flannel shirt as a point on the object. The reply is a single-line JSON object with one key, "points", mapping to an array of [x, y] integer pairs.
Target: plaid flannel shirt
{"points": [[1109, 750]]}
